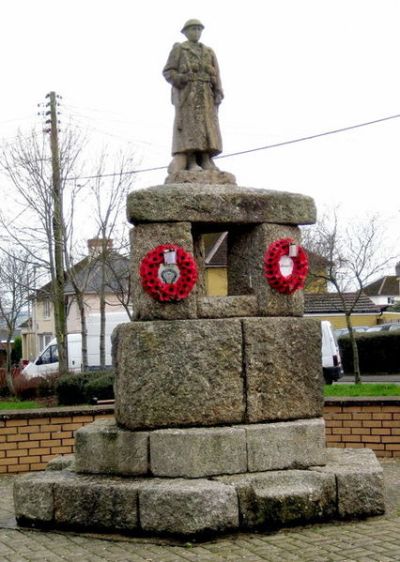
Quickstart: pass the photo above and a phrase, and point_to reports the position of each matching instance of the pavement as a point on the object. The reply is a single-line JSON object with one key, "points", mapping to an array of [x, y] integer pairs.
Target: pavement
{"points": [[376, 539]]}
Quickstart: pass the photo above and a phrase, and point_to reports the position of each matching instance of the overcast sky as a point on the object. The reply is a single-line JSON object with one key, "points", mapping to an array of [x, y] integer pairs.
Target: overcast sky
{"points": [[290, 68]]}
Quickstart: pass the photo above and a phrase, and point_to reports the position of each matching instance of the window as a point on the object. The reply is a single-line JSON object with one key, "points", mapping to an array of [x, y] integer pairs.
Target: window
{"points": [[50, 355], [45, 339], [46, 308]]}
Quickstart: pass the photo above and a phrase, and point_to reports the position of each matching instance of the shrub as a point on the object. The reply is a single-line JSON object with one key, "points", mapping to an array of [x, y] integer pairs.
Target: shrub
{"points": [[81, 387], [101, 387], [378, 352]]}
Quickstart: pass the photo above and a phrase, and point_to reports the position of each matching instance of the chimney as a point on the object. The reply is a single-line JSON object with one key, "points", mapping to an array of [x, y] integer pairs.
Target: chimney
{"points": [[95, 245], [397, 269]]}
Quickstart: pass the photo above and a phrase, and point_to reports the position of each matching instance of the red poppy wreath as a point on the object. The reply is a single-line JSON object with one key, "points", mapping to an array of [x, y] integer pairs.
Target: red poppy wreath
{"points": [[168, 273], [285, 266]]}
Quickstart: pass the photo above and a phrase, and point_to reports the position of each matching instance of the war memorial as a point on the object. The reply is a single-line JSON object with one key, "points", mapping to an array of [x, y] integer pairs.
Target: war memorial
{"points": [[218, 400]]}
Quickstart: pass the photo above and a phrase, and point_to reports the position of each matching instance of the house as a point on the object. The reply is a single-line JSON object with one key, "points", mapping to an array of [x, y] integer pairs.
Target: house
{"points": [[87, 274], [329, 306], [386, 290]]}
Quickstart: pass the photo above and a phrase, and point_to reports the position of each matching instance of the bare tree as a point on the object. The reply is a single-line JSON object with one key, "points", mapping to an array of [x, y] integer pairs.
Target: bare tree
{"points": [[353, 255], [14, 283], [27, 163], [110, 192]]}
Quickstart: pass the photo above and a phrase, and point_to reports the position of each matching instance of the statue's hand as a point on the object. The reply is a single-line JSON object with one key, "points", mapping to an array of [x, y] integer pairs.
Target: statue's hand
{"points": [[180, 80], [218, 97]]}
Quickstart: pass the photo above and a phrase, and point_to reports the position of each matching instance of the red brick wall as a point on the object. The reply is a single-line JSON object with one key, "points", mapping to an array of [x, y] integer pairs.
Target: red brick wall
{"points": [[28, 440], [372, 423]]}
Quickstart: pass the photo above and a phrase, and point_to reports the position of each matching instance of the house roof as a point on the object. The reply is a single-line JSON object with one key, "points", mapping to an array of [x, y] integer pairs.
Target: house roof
{"points": [[87, 273], [325, 303], [387, 286]]}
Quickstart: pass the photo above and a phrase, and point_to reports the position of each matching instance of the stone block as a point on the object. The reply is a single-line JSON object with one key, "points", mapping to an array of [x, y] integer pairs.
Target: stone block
{"points": [[214, 204], [146, 237], [62, 462], [188, 507], [291, 444], [34, 497], [178, 373], [197, 452], [104, 448], [271, 499], [96, 502], [227, 307], [359, 479], [282, 358], [246, 249]]}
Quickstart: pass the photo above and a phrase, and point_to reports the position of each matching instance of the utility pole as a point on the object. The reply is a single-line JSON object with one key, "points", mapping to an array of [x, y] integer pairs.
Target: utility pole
{"points": [[58, 234]]}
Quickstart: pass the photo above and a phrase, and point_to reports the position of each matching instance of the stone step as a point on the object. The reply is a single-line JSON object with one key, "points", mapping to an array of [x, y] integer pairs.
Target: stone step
{"points": [[105, 448]]}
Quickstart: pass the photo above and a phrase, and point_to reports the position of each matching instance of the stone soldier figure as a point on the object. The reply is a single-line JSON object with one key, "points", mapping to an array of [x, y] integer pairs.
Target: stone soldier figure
{"points": [[193, 71]]}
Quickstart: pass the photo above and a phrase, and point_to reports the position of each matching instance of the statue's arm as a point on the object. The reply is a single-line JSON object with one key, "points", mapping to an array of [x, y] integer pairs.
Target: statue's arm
{"points": [[171, 69], [217, 85]]}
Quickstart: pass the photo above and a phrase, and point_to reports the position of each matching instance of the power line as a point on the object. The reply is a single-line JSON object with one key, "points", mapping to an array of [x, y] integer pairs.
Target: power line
{"points": [[266, 147]]}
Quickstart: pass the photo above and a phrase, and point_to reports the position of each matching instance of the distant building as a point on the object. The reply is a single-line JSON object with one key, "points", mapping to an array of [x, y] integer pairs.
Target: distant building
{"points": [[386, 290]]}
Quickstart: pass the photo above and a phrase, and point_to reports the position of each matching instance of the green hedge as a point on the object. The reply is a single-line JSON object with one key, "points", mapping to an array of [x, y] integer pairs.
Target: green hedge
{"points": [[81, 388], [379, 352]]}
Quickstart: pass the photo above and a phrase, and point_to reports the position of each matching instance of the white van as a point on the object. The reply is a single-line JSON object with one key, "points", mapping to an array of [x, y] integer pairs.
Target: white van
{"points": [[331, 361], [47, 360]]}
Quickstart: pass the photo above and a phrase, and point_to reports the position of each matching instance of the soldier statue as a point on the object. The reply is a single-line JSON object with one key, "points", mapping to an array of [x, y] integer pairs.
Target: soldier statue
{"points": [[193, 72]]}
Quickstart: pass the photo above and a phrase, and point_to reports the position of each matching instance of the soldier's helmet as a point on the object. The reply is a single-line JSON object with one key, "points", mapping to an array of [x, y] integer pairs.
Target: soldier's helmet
{"points": [[189, 23]]}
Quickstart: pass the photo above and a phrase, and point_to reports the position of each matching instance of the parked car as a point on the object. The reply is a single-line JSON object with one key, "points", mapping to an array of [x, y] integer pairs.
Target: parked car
{"points": [[388, 327], [331, 362], [344, 331]]}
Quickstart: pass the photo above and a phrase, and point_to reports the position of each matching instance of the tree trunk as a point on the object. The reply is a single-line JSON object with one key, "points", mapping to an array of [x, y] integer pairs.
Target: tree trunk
{"points": [[82, 313], [354, 348], [9, 379]]}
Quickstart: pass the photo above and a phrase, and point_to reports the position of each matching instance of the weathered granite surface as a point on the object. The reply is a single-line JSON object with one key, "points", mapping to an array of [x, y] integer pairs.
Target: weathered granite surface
{"points": [[216, 204], [203, 177], [196, 452], [188, 507], [351, 484], [178, 373], [227, 307], [283, 368], [146, 237], [269, 499], [62, 462], [359, 479], [104, 448], [292, 444], [246, 249]]}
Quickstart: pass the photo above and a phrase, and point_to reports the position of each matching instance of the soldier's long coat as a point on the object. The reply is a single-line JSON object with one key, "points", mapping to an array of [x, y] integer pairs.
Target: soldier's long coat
{"points": [[192, 69]]}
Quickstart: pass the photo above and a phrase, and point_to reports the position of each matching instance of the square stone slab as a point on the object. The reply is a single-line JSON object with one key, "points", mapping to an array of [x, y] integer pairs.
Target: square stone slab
{"points": [[283, 368], [178, 373]]}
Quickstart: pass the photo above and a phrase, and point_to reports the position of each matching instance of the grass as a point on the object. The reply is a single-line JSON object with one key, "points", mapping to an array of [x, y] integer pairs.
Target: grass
{"points": [[18, 404], [364, 389]]}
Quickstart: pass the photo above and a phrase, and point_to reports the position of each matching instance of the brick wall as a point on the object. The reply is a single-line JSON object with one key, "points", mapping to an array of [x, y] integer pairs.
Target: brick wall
{"points": [[29, 439], [361, 422]]}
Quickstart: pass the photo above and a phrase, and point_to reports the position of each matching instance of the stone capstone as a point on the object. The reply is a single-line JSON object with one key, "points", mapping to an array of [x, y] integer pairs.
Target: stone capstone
{"points": [[104, 448], [178, 373], [216, 204], [62, 462], [282, 359], [359, 479]]}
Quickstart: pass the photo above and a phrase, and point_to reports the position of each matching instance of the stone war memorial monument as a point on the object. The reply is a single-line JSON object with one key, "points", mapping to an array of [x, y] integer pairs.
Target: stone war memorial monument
{"points": [[218, 400]]}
